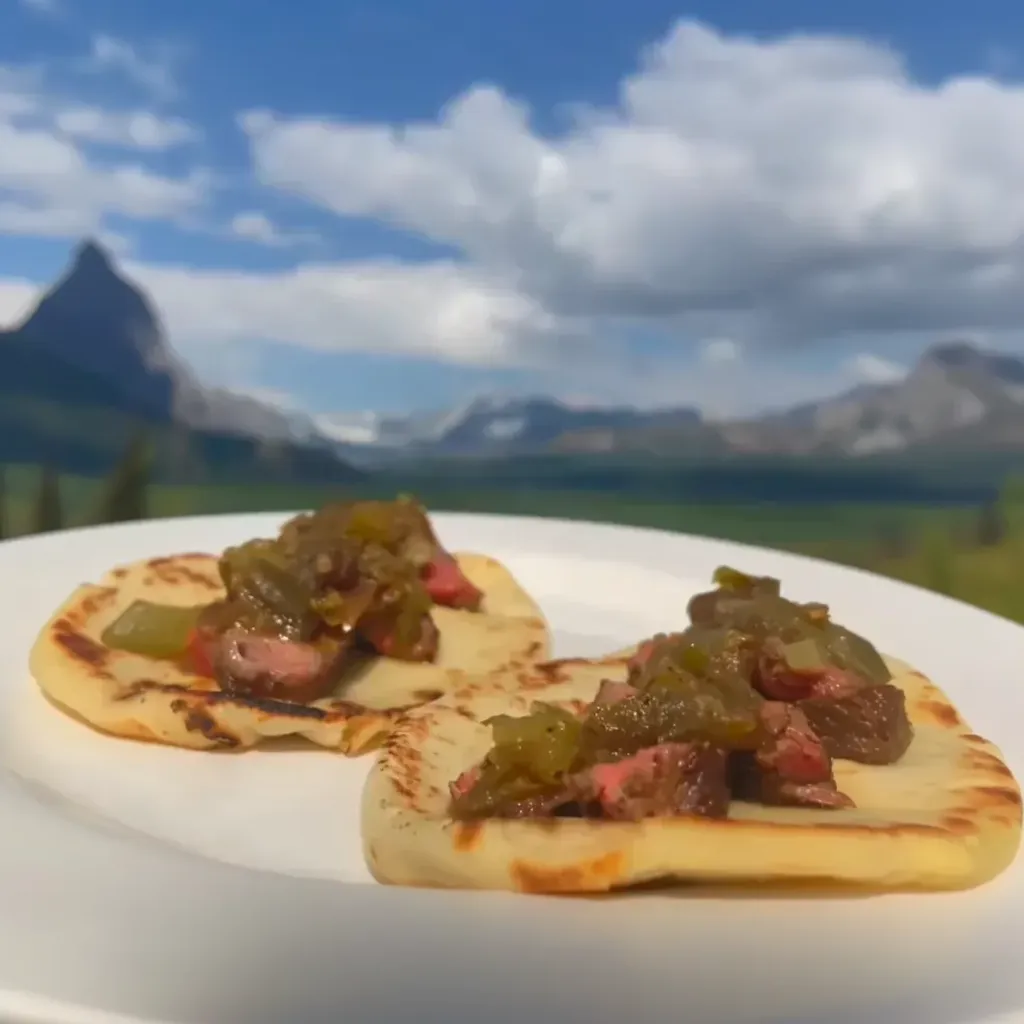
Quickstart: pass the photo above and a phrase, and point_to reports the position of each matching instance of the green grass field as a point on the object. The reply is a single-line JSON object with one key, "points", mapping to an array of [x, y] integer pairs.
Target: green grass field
{"points": [[937, 547]]}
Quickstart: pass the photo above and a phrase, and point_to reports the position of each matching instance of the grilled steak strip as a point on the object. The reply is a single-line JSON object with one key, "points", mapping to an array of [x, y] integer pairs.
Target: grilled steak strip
{"points": [[870, 726]]}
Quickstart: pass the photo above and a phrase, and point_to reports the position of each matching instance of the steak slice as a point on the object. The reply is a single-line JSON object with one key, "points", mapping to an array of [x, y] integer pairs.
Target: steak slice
{"points": [[270, 667], [749, 780], [560, 803], [791, 766], [822, 795], [870, 726], [667, 780], [790, 747]]}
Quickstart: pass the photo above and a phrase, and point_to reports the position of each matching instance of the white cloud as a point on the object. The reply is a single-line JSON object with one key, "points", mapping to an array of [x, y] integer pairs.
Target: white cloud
{"points": [[790, 190], [153, 71], [436, 310], [721, 350], [752, 192], [139, 129], [872, 369], [254, 226], [52, 184], [16, 299]]}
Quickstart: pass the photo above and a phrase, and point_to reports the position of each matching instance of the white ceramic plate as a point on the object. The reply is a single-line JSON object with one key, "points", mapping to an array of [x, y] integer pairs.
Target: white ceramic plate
{"points": [[139, 883]]}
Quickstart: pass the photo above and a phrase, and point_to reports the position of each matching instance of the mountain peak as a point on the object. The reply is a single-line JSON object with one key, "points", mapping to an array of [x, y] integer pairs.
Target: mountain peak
{"points": [[972, 358], [954, 353], [91, 257], [96, 320]]}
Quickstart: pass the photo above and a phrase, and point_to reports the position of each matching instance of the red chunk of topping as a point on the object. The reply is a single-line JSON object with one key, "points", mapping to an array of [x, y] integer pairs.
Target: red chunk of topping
{"points": [[198, 655], [448, 585], [465, 782]]}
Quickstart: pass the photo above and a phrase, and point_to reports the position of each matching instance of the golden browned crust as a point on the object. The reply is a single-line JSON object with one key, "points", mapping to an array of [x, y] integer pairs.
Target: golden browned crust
{"points": [[141, 698], [947, 816]]}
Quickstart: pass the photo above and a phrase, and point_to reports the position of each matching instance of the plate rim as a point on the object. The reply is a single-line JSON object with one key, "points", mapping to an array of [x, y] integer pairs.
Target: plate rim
{"points": [[16, 1004]]}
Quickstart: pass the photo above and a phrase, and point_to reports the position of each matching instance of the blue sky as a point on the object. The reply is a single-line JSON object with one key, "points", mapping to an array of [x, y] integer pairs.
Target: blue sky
{"points": [[398, 207]]}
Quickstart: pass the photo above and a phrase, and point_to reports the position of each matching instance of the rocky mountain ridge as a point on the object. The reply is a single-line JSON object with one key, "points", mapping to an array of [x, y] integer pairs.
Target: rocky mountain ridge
{"points": [[94, 321], [957, 395], [91, 359], [95, 339]]}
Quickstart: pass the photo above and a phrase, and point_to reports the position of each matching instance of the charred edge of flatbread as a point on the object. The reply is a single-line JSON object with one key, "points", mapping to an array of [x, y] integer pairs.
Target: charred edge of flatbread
{"points": [[81, 676], [409, 838]]}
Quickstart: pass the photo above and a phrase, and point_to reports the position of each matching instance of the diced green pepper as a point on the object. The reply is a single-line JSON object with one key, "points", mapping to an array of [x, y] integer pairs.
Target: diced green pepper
{"points": [[804, 656], [153, 630]]}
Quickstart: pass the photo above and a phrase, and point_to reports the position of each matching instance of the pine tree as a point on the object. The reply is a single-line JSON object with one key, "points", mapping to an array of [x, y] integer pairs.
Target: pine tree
{"points": [[990, 528], [125, 491], [47, 514]]}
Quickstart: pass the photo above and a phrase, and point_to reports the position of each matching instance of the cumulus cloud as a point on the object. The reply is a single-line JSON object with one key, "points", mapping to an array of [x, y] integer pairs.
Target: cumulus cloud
{"points": [[137, 129], [17, 297], [783, 191], [720, 350], [53, 184], [254, 226], [435, 310], [152, 70], [740, 196], [872, 369]]}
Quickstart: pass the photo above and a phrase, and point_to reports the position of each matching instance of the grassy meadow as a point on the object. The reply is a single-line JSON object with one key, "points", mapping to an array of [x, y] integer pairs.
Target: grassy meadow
{"points": [[974, 552]]}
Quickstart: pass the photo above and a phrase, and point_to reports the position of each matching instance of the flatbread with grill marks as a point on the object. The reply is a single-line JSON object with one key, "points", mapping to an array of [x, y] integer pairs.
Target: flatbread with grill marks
{"points": [[946, 816], [148, 699]]}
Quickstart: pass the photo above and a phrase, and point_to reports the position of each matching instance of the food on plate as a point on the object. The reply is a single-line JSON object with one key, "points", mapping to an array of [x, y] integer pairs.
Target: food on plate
{"points": [[330, 630], [764, 743]]}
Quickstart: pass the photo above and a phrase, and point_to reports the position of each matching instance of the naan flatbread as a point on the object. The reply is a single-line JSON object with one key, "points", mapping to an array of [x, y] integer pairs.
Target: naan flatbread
{"points": [[148, 699], [946, 816]]}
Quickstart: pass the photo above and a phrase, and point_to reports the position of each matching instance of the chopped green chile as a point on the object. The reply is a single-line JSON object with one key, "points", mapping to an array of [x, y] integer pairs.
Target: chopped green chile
{"points": [[401, 527], [531, 755], [236, 562], [408, 625], [708, 653], [804, 655], [331, 570], [694, 685], [266, 594], [732, 579], [153, 630], [501, 783], [543, 745], [850, 651], [760, 612], [343, 611], [675, 707]]}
